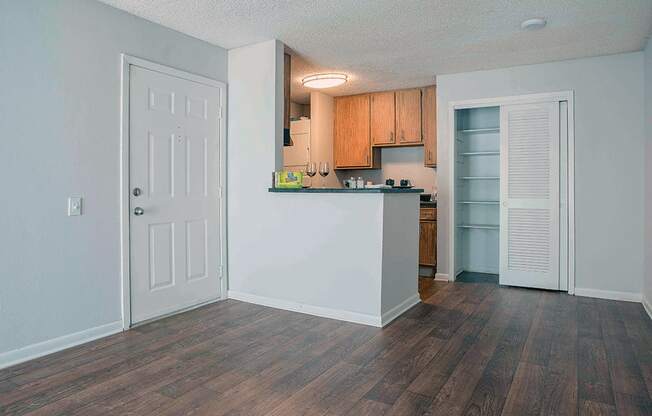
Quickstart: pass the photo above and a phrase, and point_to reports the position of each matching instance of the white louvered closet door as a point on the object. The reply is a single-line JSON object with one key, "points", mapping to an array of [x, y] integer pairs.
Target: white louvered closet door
{"points": [[529, 192]]}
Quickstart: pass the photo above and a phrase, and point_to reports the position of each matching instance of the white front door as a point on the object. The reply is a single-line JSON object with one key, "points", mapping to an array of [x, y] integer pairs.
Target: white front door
{"points": [[175, 220], [529, 193]]}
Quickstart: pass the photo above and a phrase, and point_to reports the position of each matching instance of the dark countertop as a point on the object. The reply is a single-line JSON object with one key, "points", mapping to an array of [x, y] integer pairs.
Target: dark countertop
{"points": [[348, 191], [430, 204]]}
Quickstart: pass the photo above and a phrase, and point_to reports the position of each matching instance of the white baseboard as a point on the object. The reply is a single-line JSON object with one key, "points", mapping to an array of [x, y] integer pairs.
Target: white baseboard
{"points": [[342, 315], [441, 277], [608, 294], [647, 306], [57, 344], [398, 310]]}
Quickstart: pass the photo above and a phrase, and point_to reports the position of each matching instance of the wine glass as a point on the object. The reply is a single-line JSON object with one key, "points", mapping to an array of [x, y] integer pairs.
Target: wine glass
{"points": [[311, 170], [324, 170]]}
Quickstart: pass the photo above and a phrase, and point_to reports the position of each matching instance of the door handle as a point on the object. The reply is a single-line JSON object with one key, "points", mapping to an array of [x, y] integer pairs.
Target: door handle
{"points": [[138, 211], [137, 192]]}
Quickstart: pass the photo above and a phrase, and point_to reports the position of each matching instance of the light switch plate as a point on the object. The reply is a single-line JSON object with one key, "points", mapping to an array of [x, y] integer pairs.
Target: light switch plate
{"points": [[74, 206]]}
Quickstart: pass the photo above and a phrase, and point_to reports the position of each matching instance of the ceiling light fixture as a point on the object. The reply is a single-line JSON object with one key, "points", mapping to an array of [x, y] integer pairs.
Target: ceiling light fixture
{"points": [[324, 80], [533, 24]]}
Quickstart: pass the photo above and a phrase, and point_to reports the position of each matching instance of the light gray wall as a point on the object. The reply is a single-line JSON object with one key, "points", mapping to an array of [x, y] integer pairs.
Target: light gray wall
{"points": [[60, 117], [609, 157], [647, 284]]}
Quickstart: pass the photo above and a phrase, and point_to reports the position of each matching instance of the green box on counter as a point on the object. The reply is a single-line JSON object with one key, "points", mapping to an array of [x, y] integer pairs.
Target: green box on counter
{"points": [[289, 179]]}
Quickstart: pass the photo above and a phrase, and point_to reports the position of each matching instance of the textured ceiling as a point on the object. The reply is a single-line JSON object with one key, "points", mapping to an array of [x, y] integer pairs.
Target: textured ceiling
{"points": [[384, 44]]}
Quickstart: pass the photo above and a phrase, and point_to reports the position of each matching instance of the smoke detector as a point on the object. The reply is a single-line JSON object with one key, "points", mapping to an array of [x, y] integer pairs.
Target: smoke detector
{"points": [[533, 24]]}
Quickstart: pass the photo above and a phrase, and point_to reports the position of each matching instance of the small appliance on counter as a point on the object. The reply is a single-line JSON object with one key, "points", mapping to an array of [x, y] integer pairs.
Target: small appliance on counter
{"points": [[403, 183]]}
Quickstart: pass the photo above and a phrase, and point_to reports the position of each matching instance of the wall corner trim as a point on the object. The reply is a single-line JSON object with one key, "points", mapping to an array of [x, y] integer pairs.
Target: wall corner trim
{"points": [[399, 309], [608, 294], [50, 346], [341, 315], [647, 306]]}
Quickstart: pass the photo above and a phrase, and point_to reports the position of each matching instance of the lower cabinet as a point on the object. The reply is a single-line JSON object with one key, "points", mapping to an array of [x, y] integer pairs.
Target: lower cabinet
{"points": [[428, 238]]}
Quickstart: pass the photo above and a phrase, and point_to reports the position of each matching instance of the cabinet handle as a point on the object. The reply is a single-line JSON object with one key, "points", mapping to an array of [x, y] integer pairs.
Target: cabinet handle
{"points": [[402, 135], [391, 136]]}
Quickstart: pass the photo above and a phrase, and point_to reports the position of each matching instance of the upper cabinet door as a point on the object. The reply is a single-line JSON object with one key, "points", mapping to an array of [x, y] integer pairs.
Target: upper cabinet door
{"points": [[383, 118], [352, 134], [429, 126], [408, 116]]}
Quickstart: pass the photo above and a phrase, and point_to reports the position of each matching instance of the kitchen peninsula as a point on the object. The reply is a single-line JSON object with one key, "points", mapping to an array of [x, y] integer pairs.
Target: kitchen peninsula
{"points": [[351, 254]]}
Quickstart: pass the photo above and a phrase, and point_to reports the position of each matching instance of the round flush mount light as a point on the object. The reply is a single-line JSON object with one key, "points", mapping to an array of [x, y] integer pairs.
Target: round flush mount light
{"points": [[533, 24], [324, 80]]}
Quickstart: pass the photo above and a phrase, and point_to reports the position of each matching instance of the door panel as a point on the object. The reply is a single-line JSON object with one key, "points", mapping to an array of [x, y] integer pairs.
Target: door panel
{"points": [[196, 249], [383, 118], [408, 116], [175, 160], [529, 225], [161, 255], [352, 134], [196, 152], [429, 126], [160, 175], [428, 243]]}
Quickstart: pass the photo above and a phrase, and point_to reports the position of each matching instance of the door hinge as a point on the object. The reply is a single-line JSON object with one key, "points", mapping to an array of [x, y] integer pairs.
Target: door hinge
{"points": [[220, 272], [220, 113], [219, 192]]}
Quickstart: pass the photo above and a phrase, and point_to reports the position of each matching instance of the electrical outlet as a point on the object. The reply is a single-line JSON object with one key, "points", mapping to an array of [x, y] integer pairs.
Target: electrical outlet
{"points": [[74, 206]]}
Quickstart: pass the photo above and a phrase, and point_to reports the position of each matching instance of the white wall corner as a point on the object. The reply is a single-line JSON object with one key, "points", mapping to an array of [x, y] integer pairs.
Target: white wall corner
{"points": [[647, 306], [50, 346], [399, 309]]}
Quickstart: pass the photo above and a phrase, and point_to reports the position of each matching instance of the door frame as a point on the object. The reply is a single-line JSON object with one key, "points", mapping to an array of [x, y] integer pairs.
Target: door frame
{"points": [[497, 102], [125, 246]]}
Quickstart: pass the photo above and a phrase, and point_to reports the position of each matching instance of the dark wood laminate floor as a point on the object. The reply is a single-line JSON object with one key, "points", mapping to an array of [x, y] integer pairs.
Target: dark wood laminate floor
{"points": [[472, 349]]}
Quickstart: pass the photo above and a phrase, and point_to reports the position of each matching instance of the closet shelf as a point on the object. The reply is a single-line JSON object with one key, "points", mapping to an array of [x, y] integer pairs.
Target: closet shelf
{"points": [[479, 226], [479, 153], [479, 202], [480, 131], [470, 178]]}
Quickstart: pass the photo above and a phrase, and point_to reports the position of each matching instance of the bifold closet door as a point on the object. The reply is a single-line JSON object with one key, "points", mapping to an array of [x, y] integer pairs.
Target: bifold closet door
{"points": [[529, 192]]}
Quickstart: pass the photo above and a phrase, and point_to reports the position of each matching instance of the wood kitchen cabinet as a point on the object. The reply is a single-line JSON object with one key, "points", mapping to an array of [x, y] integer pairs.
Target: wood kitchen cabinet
{"points": [[408, 116], [352, 142], [429, 125], [383, 118], [428, 238]]}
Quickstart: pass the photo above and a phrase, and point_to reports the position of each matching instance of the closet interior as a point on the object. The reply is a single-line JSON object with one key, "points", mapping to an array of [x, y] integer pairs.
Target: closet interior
{"points": [[477, 182]]}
